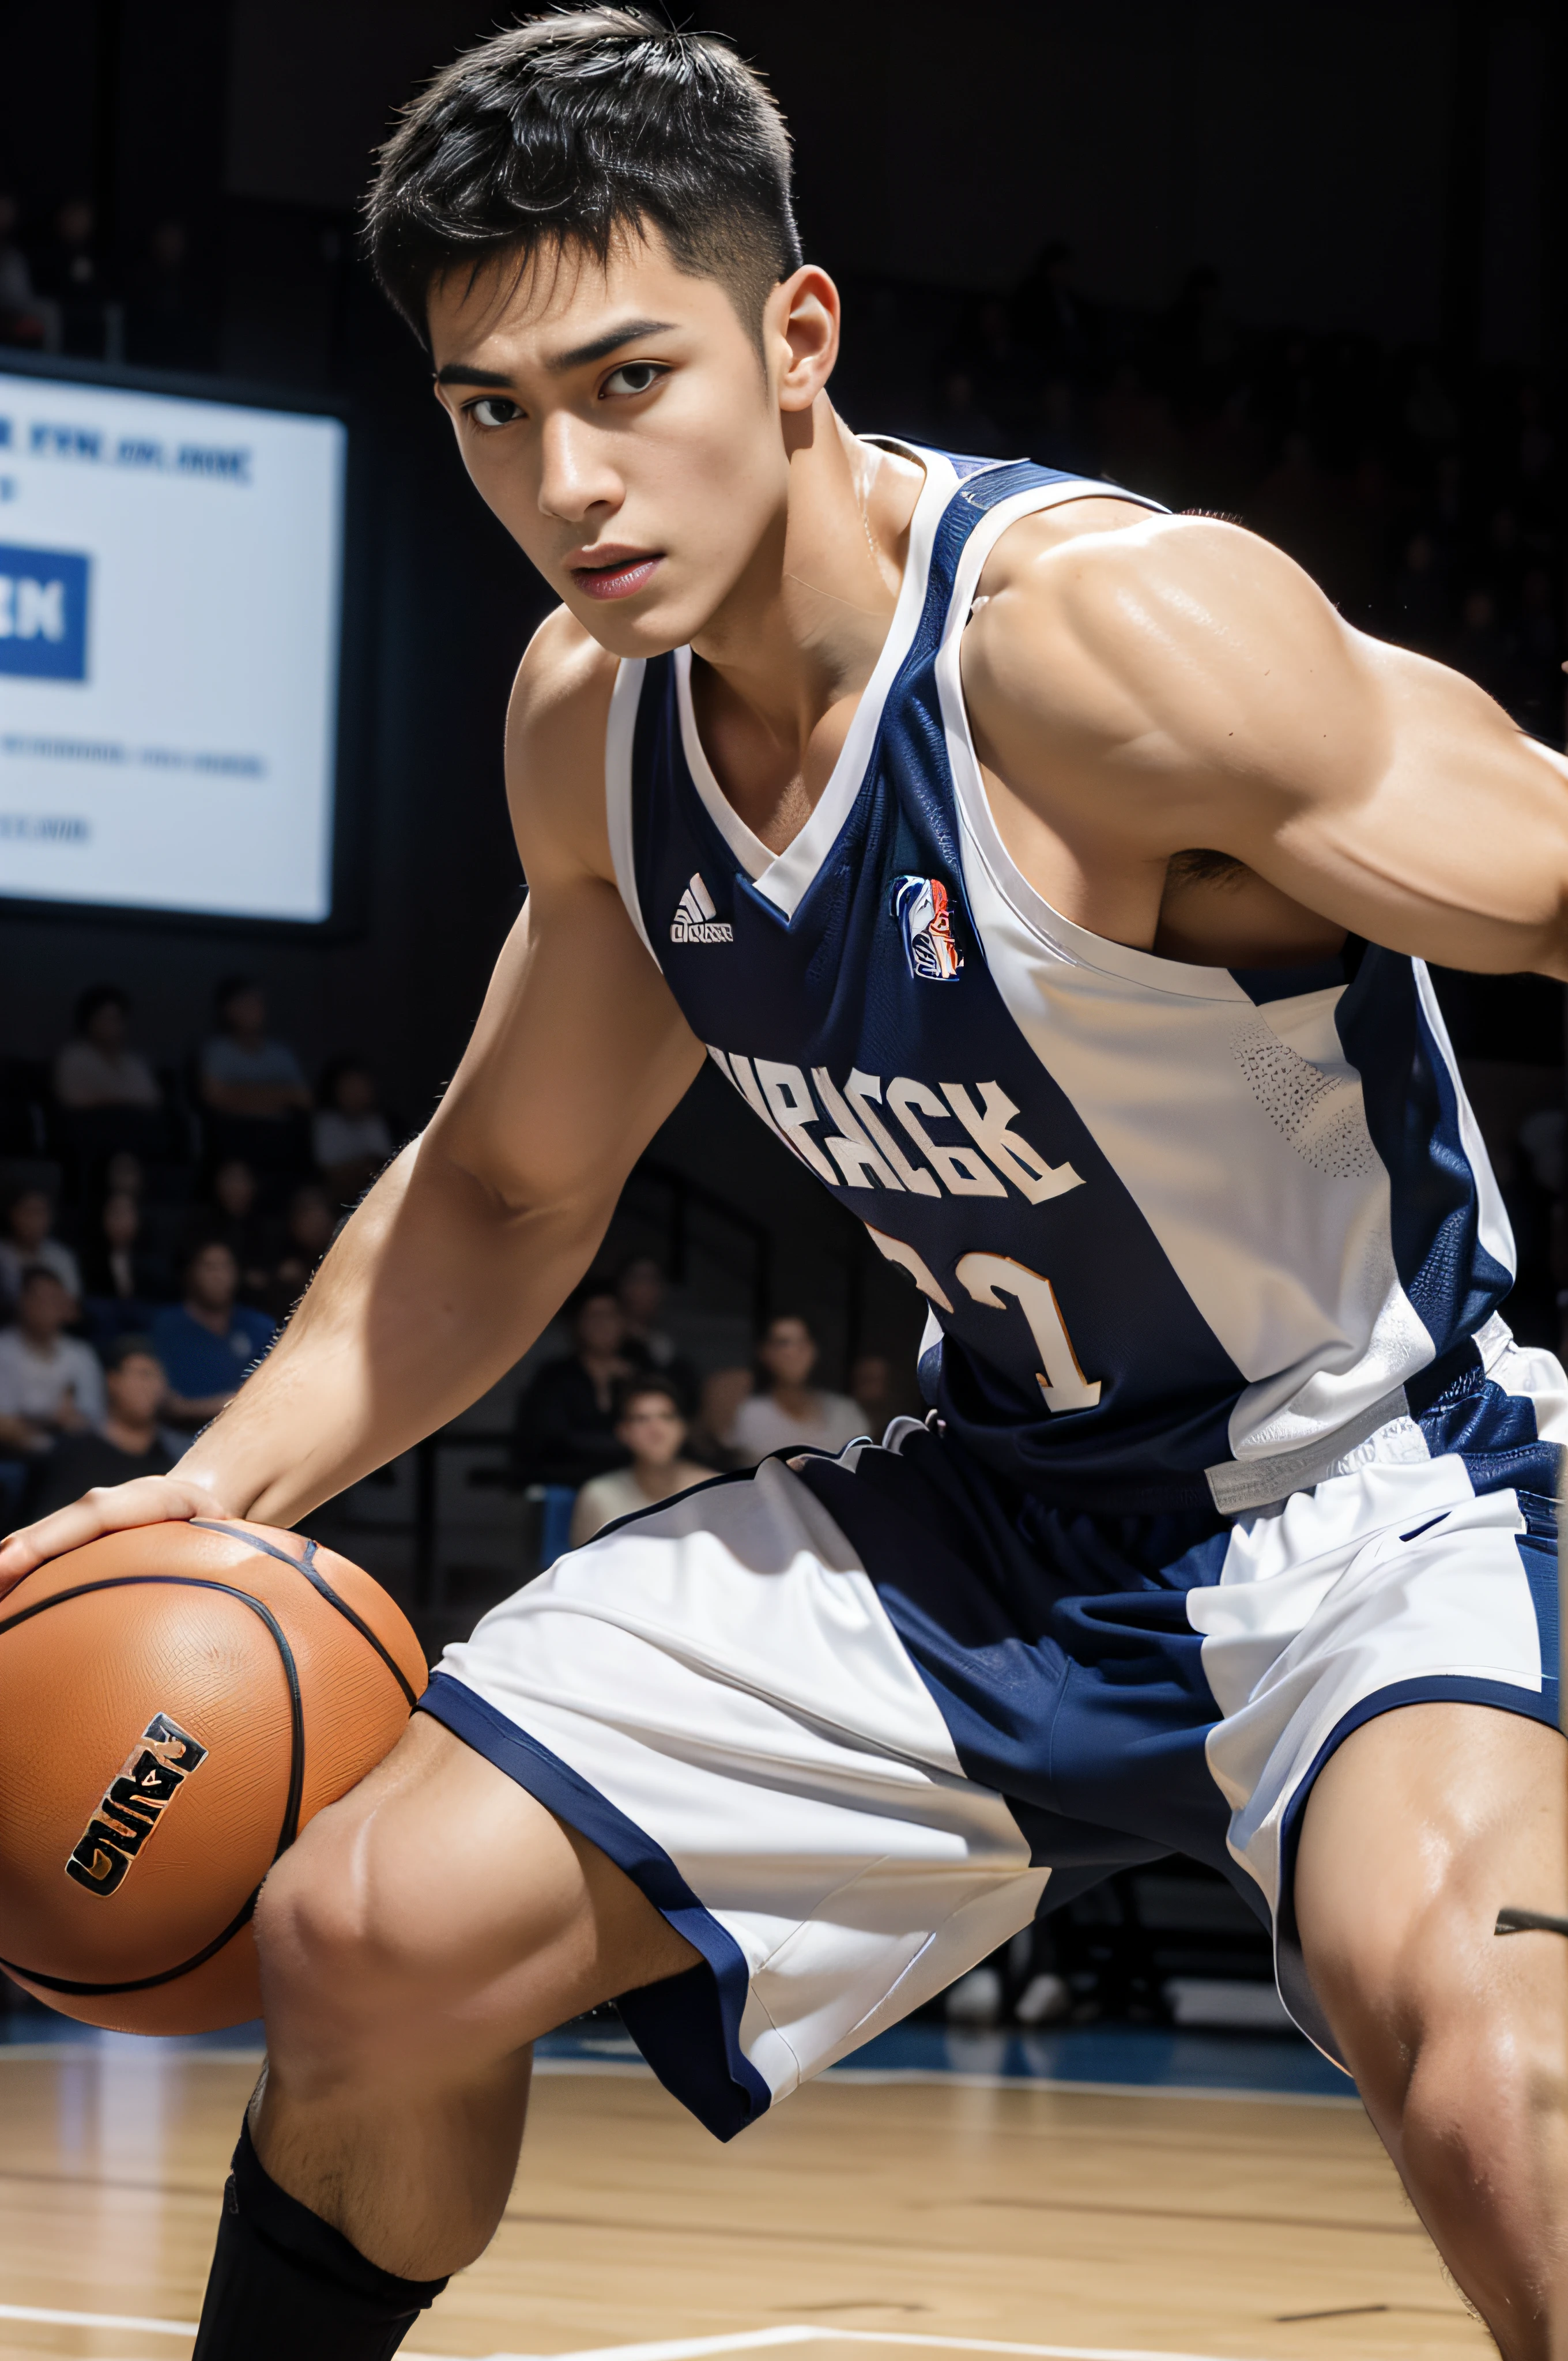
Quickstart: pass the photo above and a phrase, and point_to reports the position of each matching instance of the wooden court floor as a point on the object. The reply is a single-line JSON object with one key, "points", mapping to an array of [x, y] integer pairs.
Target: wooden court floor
{"points": [[870, 2217]]}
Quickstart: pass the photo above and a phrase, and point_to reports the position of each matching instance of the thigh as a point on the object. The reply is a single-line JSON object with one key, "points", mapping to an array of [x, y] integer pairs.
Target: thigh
{"points": [[1424, 1824], [442, 1897]]}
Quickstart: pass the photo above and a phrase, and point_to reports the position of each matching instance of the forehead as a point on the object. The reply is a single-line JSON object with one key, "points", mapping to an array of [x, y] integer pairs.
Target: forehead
{"points": [[527, 314]]}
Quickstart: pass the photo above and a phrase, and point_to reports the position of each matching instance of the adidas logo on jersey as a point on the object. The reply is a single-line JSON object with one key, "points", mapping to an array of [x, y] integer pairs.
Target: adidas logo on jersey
{"points": [[696, 920]]}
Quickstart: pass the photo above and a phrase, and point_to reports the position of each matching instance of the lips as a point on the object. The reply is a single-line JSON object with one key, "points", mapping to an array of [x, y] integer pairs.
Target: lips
{"points": [[616, 573]]}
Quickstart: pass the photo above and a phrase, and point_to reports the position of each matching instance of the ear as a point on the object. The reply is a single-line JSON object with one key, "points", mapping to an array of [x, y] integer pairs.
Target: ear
{"points": [[801, 334]]}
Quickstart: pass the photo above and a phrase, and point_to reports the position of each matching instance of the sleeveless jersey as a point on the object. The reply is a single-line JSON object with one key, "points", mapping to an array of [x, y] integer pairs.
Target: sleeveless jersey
{"points": [[1187, 1233]]}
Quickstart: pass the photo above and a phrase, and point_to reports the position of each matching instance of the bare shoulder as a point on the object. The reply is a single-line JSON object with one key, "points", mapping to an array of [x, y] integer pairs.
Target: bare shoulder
{"points": [[1174, 634], [556, 719]]}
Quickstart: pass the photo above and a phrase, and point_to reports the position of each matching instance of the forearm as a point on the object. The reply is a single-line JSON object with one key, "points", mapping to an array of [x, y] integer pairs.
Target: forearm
{"points": [[432, 1292]]}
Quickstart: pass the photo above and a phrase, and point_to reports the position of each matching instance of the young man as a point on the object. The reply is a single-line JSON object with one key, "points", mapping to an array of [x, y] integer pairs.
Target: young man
{"points": [[207, 1340], [1053, 877], [124, 1443], [650, 1425], [50, 1384]]}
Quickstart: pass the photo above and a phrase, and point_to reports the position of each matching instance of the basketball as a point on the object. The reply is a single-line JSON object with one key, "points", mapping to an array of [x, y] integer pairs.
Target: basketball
{"points": [[176, 1702]]}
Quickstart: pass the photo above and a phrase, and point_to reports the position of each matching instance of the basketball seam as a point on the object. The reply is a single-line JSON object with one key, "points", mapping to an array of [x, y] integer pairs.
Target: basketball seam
{"points": [[292, 1800], [307, 1566]]}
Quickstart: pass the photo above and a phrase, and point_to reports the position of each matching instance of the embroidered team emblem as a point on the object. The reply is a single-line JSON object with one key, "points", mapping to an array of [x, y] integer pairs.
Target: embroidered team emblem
{"points": [[696, 920], [920, 906]]}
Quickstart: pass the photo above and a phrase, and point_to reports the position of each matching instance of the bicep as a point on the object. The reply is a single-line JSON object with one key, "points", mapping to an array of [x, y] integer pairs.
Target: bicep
{"points": [[580, 1054], [1197, 690]]}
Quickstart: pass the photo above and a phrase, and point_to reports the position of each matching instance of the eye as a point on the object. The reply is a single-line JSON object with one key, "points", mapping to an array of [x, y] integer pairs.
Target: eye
{"points": [[633, 376], [493, 409]]}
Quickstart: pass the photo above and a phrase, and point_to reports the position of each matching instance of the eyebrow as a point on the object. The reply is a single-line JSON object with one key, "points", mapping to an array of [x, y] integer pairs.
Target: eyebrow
{"points": [[626, 332]]}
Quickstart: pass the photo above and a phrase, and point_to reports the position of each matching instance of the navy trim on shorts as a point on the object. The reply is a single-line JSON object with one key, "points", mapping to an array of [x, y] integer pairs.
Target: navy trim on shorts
{"points": [[688, 2026]]}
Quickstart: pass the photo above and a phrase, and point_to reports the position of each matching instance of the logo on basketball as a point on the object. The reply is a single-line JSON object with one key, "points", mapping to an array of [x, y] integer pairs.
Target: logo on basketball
{"points": [[133, 1804]]}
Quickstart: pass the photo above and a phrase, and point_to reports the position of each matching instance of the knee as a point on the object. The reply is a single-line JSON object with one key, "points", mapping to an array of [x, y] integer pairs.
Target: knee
{"points": [[347, 1958]]}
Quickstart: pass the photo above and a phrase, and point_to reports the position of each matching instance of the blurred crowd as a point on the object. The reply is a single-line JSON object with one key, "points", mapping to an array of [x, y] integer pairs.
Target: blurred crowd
{"points": [[1428, 500], [156, 1227], [624, 1419], [60, 292]]}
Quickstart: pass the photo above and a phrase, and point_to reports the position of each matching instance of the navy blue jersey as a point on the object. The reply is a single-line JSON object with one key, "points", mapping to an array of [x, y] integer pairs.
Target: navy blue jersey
{"points": [[1187, 1233]]}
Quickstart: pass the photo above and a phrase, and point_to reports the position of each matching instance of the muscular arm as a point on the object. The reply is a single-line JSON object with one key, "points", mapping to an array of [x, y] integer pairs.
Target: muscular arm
{"points": [[465, 1248], [1181, 684]]}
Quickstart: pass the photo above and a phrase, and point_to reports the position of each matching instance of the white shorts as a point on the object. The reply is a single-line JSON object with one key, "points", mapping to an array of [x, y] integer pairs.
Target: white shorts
{"points": [[850, 1723]]}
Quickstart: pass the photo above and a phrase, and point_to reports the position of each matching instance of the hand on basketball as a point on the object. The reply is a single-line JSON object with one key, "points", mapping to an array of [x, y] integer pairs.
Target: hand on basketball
{"points": [[111, 1509]]}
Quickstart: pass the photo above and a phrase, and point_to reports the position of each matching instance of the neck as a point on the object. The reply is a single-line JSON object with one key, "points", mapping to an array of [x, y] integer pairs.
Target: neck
{"points": [[127, 1437], [800, 634], [796, 1400], [218, 1322]]}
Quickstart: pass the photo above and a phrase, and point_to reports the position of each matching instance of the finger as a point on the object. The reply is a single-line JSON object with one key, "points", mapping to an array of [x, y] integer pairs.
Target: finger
{"points": [[149, 1500]]}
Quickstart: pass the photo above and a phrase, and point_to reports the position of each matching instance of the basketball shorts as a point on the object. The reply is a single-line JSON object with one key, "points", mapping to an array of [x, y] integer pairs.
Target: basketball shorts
{"points": [[852, 1722]]}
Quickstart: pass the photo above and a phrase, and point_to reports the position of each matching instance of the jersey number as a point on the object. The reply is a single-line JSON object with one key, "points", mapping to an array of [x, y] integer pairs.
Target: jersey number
{"points": [[992, 1280]]}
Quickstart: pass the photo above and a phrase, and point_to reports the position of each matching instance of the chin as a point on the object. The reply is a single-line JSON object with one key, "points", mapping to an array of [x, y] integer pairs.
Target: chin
{"points": [[647, 626]]}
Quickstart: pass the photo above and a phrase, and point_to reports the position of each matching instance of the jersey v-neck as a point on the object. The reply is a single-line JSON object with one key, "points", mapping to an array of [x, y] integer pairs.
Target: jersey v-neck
{"points": [[783, 878]]}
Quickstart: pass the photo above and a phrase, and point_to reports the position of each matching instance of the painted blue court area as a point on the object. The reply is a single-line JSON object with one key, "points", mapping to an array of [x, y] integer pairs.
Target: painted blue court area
{"points": [[1103, 2057]]}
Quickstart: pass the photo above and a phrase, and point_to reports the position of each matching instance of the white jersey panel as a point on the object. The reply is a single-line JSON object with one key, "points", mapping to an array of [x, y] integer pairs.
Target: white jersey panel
{"points": [[1292, 1263]]}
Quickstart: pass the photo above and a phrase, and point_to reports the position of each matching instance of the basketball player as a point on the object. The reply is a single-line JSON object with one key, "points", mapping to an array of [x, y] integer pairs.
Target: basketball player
{"points": [[1052, 877]]}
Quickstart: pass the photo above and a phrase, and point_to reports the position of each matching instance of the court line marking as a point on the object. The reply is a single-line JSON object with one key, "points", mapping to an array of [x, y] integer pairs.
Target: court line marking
{"points": [[623, 2069], [679, 2348], [689, 2348], [44, 2318]]}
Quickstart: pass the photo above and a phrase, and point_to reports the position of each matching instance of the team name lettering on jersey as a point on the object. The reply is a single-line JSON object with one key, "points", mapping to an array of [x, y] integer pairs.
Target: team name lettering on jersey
{"points": [[839, 1134], [696, 920]]}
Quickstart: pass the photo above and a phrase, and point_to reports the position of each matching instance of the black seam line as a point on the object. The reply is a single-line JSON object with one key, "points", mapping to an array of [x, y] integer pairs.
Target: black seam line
{"points": [[290, 1828], [308, 1567], [1529, 1922], [142, 1983]]}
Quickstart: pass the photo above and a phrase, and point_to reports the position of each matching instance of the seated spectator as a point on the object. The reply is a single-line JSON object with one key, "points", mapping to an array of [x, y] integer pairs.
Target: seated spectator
{"points": [[207, 1341], [97, 1068], [349, 1135], [566, 1420], [787, 1412], [22, 316], [242, 1071], [50, 1384], [650, 1425], [248, 1235], [307, 1234], [28, 1239], [871, 1388], [639, 1288], [125, 1175], [117, 1264], [124, 1442]]}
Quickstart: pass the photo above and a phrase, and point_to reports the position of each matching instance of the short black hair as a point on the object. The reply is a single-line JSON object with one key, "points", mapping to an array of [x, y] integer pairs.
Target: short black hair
{"points": [[574, 127], [201, 1242], [233, 988], [97, 996], [632, 1390], [130, 1347]]}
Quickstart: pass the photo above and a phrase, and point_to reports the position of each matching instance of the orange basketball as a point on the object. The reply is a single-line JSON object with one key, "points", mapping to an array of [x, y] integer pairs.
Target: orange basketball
{"points": [[175, 1703]]}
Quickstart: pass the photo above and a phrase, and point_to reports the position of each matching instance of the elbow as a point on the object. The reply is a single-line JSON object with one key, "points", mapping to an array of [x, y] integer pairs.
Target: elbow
{"points": [[511, 1195]]}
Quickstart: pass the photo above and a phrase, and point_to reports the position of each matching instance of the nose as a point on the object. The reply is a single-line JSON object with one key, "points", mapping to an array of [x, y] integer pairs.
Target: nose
{"points": [[576, 475]]}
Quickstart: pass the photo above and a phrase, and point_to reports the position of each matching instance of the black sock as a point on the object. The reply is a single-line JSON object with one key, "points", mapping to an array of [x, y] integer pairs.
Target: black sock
{"points": [[284, 2282]]}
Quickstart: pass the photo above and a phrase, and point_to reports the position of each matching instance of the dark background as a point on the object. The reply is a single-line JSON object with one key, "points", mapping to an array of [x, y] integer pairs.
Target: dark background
{"points": [[1317, 280], [1377, 189]]}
